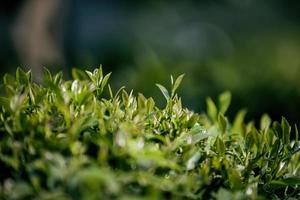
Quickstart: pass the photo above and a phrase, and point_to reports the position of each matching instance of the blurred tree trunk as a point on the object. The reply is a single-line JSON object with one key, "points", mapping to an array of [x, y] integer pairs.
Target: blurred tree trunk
{"points": [[38, 34]]}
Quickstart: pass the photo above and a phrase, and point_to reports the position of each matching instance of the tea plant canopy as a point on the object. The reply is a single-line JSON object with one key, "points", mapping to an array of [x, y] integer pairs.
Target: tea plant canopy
{"points": [[79, 139]]}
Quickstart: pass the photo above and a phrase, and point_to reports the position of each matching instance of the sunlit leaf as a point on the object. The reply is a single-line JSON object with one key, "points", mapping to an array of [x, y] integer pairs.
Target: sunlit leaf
{"points": [[164, 91]]}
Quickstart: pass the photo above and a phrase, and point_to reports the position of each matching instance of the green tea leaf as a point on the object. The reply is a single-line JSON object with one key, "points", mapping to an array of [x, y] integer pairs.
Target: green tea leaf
{"points": [[164, 91], [224, 101], [220, 146], [238, 122], [222, 123], [176, 84], [21, 76], [4, 102], [63, 139], [265, 122], [191, 163], [291, 181], [277, 130], [91, 76], [105, 80], [286, 130], [211, 109], [78, 74]]}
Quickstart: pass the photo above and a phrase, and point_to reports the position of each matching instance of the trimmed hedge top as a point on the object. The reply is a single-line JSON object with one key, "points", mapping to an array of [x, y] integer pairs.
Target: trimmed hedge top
{"points": [[66, 140]]}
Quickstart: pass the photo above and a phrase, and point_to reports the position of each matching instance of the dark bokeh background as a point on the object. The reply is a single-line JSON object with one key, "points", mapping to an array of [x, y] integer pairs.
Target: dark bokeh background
{"points": [[250, 47]]}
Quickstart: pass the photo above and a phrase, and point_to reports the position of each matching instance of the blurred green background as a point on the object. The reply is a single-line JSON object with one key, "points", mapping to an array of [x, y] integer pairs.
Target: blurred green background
{"points": [[249, 47]]}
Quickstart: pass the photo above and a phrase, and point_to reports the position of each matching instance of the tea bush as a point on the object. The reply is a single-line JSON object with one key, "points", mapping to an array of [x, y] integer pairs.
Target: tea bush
{"points": [[69, 140]]}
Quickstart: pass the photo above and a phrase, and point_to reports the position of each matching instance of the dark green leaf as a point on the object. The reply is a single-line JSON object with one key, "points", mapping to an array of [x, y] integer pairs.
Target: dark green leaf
{"points": [[286, 130], [78, 74]]}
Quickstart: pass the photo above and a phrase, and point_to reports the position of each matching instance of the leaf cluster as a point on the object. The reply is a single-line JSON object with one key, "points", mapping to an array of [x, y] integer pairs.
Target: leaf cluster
{"points": [[66, 140]]}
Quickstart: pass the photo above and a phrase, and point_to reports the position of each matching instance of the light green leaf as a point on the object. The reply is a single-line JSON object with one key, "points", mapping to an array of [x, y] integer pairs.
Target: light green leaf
{"points": [[238, 122], [8, 79], [191, 163], [21, 76], [222, 123], [211, 109], [105, 80], [265, 122], [220, 146], [91, 76], [176, 84], [224, 101], [164, 91]]}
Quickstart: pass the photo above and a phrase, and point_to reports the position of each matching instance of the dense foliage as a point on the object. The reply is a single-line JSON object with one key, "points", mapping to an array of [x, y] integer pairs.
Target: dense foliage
{"points": [[69, 140]]}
